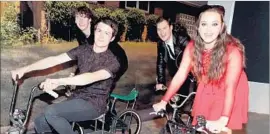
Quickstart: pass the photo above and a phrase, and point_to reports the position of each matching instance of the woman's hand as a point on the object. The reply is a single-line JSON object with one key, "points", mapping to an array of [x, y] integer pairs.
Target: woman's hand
{"points": [[218, 125], [160, 106]]}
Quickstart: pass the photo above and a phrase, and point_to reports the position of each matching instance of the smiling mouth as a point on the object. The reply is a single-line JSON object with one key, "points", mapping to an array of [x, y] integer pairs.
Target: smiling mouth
{"points": [[208, 35], [82, 25]]}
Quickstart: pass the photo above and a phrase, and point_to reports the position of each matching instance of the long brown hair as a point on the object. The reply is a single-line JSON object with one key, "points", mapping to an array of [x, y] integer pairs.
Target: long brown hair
{"points": [[217, 63]]}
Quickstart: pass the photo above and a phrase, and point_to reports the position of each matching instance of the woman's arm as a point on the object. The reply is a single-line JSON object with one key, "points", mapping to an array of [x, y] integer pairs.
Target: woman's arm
{"points": [[233, 71], [181, 74]]}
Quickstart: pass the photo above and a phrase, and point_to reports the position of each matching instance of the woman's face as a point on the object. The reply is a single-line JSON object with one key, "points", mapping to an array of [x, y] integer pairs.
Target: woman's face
{"points": [[210, 26]]}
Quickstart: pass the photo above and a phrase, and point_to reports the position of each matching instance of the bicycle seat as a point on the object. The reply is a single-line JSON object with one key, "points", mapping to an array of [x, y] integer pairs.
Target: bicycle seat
{"points": [[131, 96]]}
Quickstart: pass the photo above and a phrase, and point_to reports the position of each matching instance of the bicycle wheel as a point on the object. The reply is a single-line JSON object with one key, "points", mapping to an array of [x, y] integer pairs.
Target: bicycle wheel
{"points": [[77, 128], [127, 122], [164, 130], [170, 129]]}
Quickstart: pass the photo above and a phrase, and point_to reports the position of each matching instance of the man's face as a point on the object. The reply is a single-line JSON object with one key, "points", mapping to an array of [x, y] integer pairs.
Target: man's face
{"points": [[164, 30], [103, 34], [82, 21]]}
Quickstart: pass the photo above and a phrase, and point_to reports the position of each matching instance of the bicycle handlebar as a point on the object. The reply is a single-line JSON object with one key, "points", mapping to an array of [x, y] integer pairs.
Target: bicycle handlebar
{"points": [[50, 92], [200, 126]]}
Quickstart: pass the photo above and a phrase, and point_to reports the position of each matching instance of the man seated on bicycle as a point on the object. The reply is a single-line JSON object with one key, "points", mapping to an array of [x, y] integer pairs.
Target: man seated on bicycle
{"points": [[97, 67]]}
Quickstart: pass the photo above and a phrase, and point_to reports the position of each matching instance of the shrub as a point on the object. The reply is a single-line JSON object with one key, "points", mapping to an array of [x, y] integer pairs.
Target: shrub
{"points": [[151, 27], [28, 35], [121, 18], [11, 33], [102, 12], [136, 21]]}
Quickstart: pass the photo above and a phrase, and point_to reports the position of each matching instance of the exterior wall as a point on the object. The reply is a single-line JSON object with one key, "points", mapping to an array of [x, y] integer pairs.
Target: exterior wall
{"points": [[158, 11], [250, 24], [112, 3], [38, 15]]}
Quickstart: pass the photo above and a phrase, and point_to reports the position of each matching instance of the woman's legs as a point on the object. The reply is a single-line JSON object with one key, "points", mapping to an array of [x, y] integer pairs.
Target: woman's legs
{"points": [[58, 116]]}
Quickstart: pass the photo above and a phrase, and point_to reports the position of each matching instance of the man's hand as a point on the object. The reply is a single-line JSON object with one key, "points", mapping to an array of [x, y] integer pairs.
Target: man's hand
{"points": [[218, 125], [18, 72], [160, 106], [50, 84], [160, 87]]}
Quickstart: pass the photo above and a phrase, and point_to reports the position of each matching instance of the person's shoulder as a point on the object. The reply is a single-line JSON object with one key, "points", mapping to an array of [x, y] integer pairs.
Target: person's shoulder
{"points": [[231, 47], [232, 50], [191, 44], [111, 57], [115, 45]]}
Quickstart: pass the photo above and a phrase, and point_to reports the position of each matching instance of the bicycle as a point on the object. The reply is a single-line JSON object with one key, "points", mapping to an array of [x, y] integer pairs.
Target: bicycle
{"points": [[19, 117], [181, 128], [121, 122], [176, 118]]}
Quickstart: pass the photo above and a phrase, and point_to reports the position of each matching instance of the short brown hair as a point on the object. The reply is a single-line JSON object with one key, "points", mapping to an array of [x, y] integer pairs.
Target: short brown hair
{"points": [[108, 21], [84, 10]]}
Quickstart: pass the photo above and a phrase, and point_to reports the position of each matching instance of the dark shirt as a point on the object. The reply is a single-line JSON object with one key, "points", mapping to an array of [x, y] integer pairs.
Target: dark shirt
{"points": [[115, 48], [90, 61]]}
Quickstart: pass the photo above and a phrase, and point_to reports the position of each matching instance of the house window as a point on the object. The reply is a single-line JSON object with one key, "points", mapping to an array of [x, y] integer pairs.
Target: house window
{"points": [[143, 5], [101, 2]]}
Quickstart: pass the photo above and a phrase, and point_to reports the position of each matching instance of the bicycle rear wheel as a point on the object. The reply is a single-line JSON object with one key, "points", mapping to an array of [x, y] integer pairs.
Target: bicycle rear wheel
{"points": [[77, 128], [127, 122]]}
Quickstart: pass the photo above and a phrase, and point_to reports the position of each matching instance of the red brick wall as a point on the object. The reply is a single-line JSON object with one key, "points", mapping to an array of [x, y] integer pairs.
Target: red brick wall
{"points": [[112, 3], [158, 11]]}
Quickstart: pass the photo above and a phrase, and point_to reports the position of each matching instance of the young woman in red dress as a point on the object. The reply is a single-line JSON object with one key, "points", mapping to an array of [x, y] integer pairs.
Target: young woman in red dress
{"points": [[217, 59]]}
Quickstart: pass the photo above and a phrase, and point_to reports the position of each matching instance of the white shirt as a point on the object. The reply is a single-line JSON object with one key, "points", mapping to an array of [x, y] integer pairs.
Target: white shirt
{"points": [[169, 43]]}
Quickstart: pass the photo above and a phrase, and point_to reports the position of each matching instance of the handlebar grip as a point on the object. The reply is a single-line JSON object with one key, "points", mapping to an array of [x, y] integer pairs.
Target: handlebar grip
{"points": [[52, 93]]}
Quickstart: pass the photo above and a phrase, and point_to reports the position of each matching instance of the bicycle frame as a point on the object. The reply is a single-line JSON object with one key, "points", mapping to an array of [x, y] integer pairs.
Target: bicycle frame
{"points": [[18, 117], [176, 107], [181, 128]]}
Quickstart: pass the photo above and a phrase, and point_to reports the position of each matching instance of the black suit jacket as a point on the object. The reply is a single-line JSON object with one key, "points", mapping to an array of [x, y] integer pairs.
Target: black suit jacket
{"points": [[163, 59]]}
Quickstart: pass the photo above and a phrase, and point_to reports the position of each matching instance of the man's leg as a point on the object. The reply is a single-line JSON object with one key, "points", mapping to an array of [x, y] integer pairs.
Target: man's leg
{"points": [[41, 125], [61, 114]]}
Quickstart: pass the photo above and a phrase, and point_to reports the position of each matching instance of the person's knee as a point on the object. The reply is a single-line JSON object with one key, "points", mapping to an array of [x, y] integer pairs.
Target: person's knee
{"points": [[38, 123], [50, 111]]}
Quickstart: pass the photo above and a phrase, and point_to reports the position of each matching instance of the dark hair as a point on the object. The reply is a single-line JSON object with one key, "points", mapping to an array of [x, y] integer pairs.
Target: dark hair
{"points": [[160, 19], [84, 10], [113, 24], [218, 7]]}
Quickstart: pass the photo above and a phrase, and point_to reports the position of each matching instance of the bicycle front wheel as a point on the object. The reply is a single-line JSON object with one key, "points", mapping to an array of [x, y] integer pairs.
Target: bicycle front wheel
{"points": [[127, 122]]}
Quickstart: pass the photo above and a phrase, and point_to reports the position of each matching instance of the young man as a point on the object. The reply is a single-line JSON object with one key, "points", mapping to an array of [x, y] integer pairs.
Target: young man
{"points": [[170, 49], [83, 19], [97, 68]]}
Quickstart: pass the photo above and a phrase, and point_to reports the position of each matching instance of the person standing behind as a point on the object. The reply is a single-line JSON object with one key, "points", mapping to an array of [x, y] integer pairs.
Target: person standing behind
{"points": [[97, 69], [83, 18], [170, 49]]}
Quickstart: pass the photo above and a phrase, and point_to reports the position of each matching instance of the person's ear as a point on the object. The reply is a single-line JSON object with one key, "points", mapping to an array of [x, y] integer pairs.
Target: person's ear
{"points": [[171, 26], [112, 38]]}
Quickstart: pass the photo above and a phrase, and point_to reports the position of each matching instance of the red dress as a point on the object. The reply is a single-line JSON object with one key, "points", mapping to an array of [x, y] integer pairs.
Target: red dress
{"points": [[210, 96]]}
